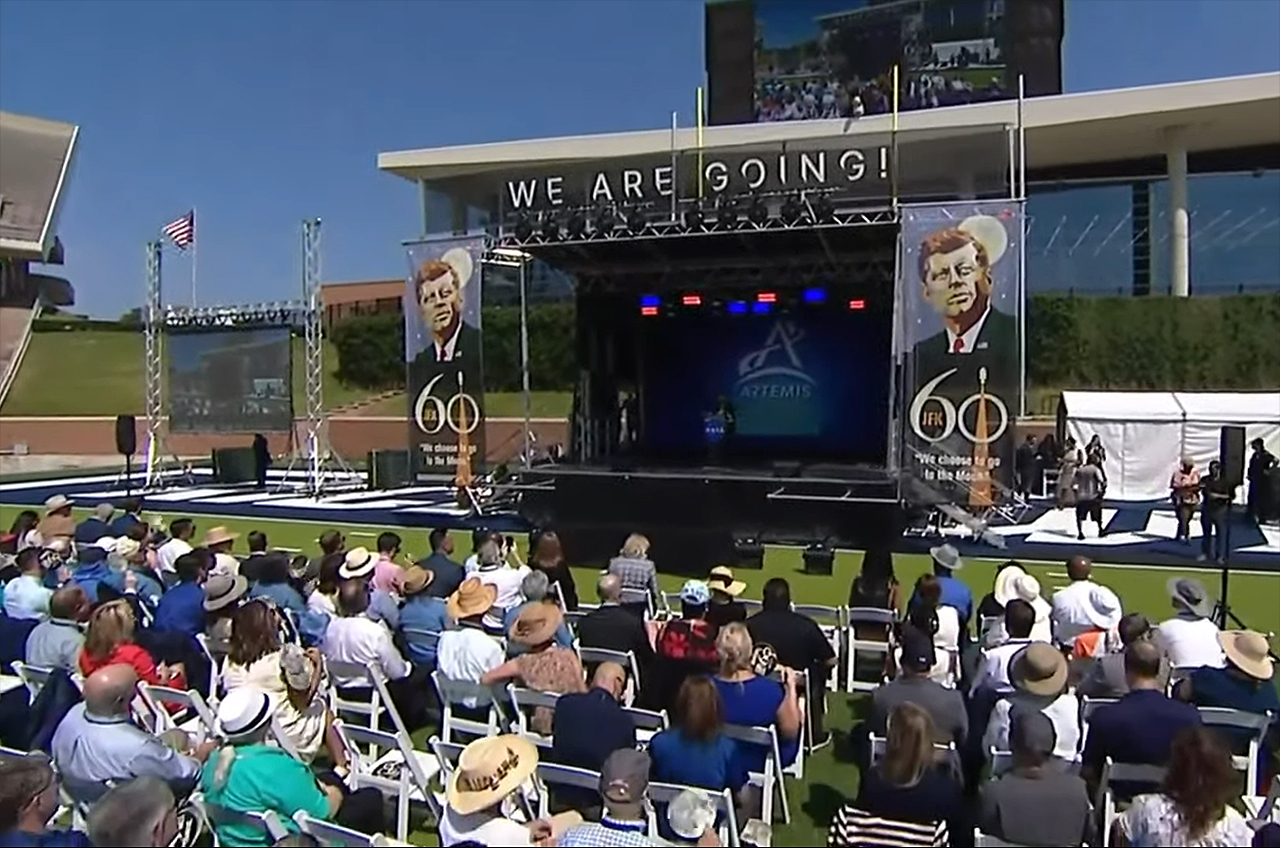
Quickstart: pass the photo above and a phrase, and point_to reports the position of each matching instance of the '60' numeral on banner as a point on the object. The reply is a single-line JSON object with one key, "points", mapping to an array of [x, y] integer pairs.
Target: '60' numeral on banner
{"points": [[431, 413], [946, 418]]}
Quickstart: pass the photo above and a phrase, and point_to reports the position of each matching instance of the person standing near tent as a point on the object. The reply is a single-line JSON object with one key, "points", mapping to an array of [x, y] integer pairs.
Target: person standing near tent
{"points": [[1218, 494], [1260, 465], [1184, 488]]}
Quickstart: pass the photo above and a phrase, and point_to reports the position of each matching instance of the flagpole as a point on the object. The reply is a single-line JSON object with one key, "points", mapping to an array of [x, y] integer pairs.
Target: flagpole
{"points": [[194, 247]]}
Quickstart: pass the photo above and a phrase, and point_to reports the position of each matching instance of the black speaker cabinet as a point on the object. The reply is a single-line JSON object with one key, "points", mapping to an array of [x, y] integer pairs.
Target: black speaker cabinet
{"points": [[389, 469], [126, 435], [1231, 454], [234, 465]]}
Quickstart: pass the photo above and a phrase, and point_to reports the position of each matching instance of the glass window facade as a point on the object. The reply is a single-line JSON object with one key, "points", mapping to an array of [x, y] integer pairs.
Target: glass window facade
{"points": [[1113, 238]]}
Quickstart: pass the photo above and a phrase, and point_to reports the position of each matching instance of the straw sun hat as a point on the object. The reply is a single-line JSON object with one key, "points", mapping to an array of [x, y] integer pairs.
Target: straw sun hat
{"points": [[472, 598], [489, 770], [1248, 651]]}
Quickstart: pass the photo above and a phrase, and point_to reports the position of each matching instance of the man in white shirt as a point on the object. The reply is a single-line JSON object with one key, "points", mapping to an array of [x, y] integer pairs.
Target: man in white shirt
{"points": [[1071, 609], [993, 673], [219, 541], [465, 652], [506, 580], [1190, 638], [26, 596], [1039, 676], [181, 532]]}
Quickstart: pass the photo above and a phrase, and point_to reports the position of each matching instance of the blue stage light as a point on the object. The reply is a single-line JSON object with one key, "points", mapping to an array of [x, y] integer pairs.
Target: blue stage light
{"points": [[815, 295], [650, 300], [737, 307], [761, 307]]}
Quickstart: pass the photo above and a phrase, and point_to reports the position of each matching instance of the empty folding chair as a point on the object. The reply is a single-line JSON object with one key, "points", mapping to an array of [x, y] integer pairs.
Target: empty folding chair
{"points": [[34, 677], [1263, 809], [393, 767], [453, 693], [379, 703], [331, 833], [196, 717], [875, 649], [252, 825]]}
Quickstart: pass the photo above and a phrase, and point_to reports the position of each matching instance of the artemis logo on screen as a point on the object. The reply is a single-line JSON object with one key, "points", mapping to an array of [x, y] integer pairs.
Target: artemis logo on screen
{"points": [[775, 371], [743, 172]]}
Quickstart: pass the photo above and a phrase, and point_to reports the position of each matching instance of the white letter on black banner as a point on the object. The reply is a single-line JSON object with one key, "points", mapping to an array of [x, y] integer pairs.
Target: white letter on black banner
{"points": [[748, 165], [601, 187], [720, 181], [555, 190], [811, 168], [522, 193], [854, 165], [662, 180], [631, 184]]}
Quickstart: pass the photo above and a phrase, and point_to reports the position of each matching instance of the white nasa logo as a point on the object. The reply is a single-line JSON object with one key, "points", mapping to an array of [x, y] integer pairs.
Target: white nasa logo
{"points": [[775, 371]]}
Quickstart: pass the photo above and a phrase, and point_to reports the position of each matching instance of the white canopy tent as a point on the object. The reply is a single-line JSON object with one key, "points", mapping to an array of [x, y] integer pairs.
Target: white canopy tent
{"points": [[1146, 433]]}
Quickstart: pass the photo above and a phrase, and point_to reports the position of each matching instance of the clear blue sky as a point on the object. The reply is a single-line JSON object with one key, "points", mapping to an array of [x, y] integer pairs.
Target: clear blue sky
{"points": [[259, 114]]}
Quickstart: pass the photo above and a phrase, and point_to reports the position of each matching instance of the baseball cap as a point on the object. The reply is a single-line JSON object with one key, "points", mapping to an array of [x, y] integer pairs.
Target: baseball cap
{"points": [[1032, 731], [695, 592], [624, 777], [917, 649]]}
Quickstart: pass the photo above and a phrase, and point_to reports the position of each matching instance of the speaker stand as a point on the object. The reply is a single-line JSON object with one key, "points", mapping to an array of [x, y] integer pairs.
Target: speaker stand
{"points": [[127, 475]]}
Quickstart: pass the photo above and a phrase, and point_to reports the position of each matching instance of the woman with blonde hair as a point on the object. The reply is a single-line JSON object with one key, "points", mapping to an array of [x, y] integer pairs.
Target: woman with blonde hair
{"points": [[754, 701], [908, 784], [638, 574], [109, 641]]}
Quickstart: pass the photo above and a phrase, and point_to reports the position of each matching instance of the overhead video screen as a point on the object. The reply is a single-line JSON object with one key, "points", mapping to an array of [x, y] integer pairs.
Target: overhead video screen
{"points": [[230, 380], [811, 59], [810, 382]]}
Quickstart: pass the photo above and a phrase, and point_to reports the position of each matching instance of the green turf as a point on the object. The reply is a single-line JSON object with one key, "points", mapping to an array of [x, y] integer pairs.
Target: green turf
{"points": [[831, 775]]}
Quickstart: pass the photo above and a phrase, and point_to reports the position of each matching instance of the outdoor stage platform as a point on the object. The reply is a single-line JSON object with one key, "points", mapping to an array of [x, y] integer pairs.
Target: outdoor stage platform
{"points": [[1137, 533]]}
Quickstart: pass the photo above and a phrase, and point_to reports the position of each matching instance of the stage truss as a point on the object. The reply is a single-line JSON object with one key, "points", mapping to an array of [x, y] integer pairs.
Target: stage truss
{"points": [[325, 469]]}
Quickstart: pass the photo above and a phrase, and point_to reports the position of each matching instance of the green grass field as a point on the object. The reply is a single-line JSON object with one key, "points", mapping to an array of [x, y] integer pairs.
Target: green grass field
{"points": [[99, 372], [831, 775]]}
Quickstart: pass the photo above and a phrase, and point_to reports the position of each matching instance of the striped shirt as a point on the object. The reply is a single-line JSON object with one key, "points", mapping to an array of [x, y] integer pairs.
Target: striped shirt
{"points": [[853, 828]]}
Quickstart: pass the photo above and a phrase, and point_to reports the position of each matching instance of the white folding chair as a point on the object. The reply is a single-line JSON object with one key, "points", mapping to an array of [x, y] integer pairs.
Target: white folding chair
{"points": [[670, 602], [1263, 809], [986, 840], [215, 652], [393, 767], [805, 742], [34, 677], [217, 815], [772, 777], [282, 740], [626, 659], [1256, 723], [554, 774], [422, 639], [1001, 761], [1088, 706], [1121, 772], [332, 834], [197, 718], [946, 753], [648, 723], [665, 793], [880, 648], [523, 703], [833, 623], [379, 702], [752, 606], [456, 692]]}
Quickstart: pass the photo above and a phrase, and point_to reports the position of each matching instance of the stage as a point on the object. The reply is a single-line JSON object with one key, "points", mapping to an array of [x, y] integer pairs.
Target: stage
{"points": [[1137, 533]]}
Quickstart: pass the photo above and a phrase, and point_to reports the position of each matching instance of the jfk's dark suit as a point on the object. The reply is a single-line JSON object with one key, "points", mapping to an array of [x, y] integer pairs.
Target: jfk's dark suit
{"points": [[615, 629], [996, 349], [465, 351]]}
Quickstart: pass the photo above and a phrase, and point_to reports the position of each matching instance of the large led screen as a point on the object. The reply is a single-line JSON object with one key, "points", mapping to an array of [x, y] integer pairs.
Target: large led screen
{"points": [[230, 380]]}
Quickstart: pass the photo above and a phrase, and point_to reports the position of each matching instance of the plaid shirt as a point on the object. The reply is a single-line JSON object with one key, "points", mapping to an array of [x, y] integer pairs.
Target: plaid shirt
{"points": [[609, 832], [639, 578]]}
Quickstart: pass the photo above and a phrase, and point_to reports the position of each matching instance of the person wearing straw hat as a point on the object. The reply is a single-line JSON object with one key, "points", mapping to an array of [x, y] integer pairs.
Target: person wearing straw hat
{"points": [[219, 541], [483, 792], [544, 666], [725, 607], [1039, 676], [421, 612], [248, 775], [465, 651], [1102, 608], [222, 594], [1013, 583], [1190, 638], [57, 522], [361, 564]]}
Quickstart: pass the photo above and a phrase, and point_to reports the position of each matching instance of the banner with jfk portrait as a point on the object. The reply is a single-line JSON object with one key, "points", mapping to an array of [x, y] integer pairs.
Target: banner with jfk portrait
{"points": [[445, 374], [959, 297]]}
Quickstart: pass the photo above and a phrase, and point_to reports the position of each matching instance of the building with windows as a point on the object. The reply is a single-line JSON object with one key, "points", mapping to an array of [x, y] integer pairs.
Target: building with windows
{"points": [[1166, 189]]}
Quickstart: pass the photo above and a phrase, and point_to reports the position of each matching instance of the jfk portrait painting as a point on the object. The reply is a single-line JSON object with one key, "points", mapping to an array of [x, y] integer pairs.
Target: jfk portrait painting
{"points": [[440, 287]]}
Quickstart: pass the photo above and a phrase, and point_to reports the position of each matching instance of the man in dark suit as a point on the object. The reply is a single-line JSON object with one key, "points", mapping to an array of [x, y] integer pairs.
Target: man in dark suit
{"points": [[447, 574], [613, 628]]}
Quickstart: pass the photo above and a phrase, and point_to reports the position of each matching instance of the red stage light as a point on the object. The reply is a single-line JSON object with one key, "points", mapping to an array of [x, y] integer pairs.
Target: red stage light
{"points": [[692, 300], [767, 297], [857, 303], [648, 310]]}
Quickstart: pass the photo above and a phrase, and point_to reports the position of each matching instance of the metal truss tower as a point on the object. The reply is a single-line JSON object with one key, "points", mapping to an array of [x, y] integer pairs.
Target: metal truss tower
{"points": [[158, 456]]}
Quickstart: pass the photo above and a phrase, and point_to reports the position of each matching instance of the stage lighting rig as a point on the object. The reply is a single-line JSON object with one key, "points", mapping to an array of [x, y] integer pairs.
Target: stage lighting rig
{"points": [[792, 211], [523, 228], [577, 225], [275, 314], [605, 221], [727, 212], [550, 227], [823, 210], [637, 220], [694, 219], [758, 212]]}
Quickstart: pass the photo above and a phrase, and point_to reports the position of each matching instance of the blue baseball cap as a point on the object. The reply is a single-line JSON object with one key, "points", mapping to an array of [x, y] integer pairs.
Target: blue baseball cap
{"points": [[695, 592]]}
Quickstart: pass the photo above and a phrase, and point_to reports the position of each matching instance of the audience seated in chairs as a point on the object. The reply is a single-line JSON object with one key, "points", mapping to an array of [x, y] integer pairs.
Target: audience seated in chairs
{"points": [[876, 586], [138, 813], [422, 612], [386, 573], [493, 571], [547, 557], [489, 775], [1012, 582], [1035, 803], [955, 593], [289, 676], [58, 641], [695, 751], [909, 786], [110, 641], [26, 596], [465, 652], [97, 742], [1039, 676], [274, 582], [324, 595], [945, 706], [1193, 806], [1104, 676], [222, 595], [725, 608], [447, 574], [381, 606], [614, 628], [545, 666], [1190, 638], [684, 645], [589, 726], [639, 576], [28, 800], [182, 607], [534, 593], [993, 669], [251, 566], [249, 776], [1072, 612]]}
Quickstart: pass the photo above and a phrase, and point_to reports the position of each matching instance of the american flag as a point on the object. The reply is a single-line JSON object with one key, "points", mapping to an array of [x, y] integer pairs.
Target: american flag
{"points": [[182, 231]]}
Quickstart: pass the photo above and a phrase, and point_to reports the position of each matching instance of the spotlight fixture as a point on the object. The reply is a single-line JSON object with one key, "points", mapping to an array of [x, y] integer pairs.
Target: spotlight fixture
{"points": [[550, 227], [605, 221], [757, 212], [823, 210], [792, 211], [577, 225], [727, 211], [693, 218], [523, 228], [636, 220]]}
